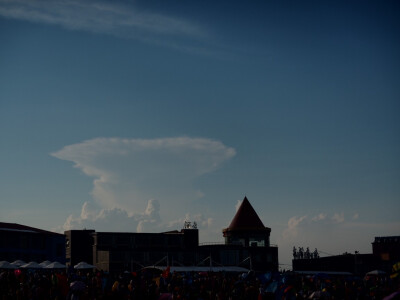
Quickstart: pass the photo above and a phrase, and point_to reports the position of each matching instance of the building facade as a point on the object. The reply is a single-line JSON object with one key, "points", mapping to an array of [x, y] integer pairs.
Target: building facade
{"points": [[387, 248], [246, 244], [78, 246], [248, 240], [357, 264], [246, 228], [20, 242], [117, 252], [385, 253]]}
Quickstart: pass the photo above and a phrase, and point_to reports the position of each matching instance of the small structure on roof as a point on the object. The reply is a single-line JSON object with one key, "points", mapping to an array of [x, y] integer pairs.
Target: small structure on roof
{"points": [[246, 228]]}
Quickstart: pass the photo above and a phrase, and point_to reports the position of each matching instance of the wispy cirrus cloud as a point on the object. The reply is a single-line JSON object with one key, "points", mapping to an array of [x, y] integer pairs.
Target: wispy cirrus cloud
{"points": [[107, 17]]}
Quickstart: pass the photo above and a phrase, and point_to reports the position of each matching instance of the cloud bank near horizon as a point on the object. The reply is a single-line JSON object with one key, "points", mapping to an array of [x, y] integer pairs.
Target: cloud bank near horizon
{"points": [[133, 174], [120, 220]]}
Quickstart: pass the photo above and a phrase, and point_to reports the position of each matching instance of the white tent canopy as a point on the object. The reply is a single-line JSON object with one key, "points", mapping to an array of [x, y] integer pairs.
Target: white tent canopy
{"points": [[6, 265], [45, 263], [376, 272], [83, 265], [333, 273], [200, 269], [31, 265], [55, 265], [18, 263]]}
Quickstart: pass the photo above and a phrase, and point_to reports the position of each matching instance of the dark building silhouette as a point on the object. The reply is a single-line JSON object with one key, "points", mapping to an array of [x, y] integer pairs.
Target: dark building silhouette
{"points": [[246, 228], [77, 247], [130, 251], [357, 264], [246, 244], [387, 248], [20, 242], [385, 253]]}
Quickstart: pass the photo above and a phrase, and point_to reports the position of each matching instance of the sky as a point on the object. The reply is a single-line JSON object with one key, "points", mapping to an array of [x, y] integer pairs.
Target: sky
{"points": [[135, 116]]}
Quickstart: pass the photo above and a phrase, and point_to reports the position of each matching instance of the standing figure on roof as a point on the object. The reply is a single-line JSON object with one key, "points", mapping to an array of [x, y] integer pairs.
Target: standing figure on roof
{"points": [[316, 255], [308, 254]]}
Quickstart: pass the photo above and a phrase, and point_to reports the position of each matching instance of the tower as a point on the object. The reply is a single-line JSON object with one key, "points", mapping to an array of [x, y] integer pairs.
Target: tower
{"points": [[246, 228]]}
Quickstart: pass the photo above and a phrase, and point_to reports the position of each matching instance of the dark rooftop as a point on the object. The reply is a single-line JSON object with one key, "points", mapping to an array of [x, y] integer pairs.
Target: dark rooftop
{"points": [[246, 218], [23, 228]]}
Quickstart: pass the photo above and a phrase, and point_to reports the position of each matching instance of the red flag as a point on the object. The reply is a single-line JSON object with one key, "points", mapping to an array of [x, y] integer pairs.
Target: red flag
{"points": [[165, 273]]}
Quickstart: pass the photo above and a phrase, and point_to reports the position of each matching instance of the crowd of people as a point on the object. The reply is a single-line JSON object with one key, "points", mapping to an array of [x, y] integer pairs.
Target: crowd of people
{"points": [[153, 284]]}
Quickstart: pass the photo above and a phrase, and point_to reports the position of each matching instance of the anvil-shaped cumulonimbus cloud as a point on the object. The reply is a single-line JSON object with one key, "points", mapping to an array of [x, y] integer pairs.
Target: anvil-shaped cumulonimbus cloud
{"points": [[129, 172]]}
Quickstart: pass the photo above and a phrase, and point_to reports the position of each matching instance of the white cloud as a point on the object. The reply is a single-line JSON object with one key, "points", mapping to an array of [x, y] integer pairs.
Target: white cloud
{"points": [[87, 212], [238, 203], [116, 219], [120, 220], [355, 216], [298, 226], [150, 221], [339, 218], [293, 224], [319, 217], [97, 16], [129, 172], [108, 17], [152, 209], [148, 225]]}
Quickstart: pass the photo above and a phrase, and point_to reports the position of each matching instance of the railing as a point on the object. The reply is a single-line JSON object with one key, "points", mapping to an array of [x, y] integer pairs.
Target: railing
{"points": [[211, 243], [223, 244]]}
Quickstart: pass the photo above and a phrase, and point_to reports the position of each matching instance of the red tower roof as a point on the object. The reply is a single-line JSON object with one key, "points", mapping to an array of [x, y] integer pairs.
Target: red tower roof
{"points": [[246, 218]]}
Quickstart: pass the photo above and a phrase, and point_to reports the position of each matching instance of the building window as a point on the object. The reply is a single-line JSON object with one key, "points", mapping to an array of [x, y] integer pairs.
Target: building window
{"points": [[256, 242], [59, 250]]}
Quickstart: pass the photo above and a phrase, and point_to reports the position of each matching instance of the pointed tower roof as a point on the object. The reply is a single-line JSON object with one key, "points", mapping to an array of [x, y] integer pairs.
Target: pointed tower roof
{"points": [[246, 218]]}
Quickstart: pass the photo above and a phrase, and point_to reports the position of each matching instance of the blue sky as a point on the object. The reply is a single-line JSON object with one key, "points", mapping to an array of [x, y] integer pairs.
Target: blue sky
{"points": [[134, 116]]}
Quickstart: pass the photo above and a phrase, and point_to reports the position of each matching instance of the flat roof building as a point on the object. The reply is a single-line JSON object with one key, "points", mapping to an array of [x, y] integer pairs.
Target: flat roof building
{"points": [[385, 253], [387, 248], [246, 243], [20, 242]]}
